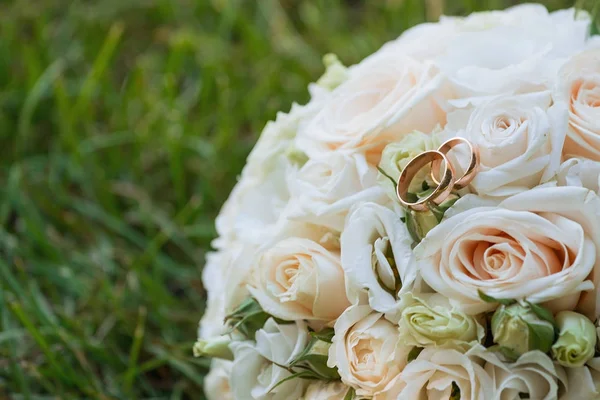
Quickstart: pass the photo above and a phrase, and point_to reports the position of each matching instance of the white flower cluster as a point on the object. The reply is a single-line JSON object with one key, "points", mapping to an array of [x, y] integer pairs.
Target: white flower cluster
{"points": [[322, 286]]}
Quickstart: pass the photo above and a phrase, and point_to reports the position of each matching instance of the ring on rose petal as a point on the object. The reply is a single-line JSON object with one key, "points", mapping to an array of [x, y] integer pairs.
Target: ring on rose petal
{"points": [[439, 194], [471, 171]]}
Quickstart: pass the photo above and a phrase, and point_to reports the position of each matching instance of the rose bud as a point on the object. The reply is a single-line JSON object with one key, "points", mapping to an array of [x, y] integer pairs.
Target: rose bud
{"points": [[576, 342], [518, 329]]}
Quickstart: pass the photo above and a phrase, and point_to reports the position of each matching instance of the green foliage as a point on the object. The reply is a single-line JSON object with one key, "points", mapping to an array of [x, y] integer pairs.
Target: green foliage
{"points": [[123, 127]]}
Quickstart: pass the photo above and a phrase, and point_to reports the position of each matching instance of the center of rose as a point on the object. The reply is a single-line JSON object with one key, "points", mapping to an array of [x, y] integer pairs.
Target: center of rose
{"points": [[365, 355], [289, 276]]}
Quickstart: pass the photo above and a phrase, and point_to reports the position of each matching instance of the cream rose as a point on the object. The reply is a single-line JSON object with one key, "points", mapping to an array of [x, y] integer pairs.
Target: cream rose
{"points": [[385, 97], [540, 245], [579, 86], [324, 190], [533, 374], [367, 351], [216, 382], [256, 368], [326, 391], [437, 374], [377, 257], [297, 279], [520, 140]]}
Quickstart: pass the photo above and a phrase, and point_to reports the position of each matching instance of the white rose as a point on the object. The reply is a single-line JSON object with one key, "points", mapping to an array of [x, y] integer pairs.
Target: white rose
{"points": [[225, 277], [520, 140], [377, 257], [521, 55], [429, 40], [384, 98], [367, 351], [257, 201], [532, 374], [580, 172], [583, 382], [579, 86], [216, 382], [326, 391], [430, 320], [324, 190], [254, 373], [540, 245], [253, 209], [436, 374], [297, 278]]}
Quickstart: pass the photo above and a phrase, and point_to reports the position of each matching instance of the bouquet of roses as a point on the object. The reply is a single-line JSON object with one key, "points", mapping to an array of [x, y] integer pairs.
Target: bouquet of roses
{"points": [[427, 226]]}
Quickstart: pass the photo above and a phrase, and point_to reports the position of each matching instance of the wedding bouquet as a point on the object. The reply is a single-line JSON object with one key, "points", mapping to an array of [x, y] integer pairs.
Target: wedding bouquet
{"points": [[426, 227]]}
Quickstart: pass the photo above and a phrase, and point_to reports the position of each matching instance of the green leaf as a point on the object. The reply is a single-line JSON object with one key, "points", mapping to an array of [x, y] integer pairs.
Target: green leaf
{"points": [[248, 318], [325, 335], [300, 375], [414, 353], [318, 364], [543, 313], [350, 394], [490, 299], [314, 358]]}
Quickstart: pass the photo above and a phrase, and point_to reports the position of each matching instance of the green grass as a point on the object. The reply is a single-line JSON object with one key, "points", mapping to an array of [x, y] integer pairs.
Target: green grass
{"points": [[123, 125]]}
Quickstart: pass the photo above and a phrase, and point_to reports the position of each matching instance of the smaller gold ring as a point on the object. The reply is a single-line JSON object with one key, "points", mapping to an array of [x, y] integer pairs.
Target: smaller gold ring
{"points": [[471, 171], [439, 194]]}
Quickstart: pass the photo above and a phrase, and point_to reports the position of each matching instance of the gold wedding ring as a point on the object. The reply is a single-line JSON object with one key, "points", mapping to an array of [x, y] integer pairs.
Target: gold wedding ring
{"points": [[471, 171], [439, 194]]}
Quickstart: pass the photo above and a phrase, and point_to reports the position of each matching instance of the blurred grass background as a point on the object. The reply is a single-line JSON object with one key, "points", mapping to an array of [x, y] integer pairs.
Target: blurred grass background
{"points": [[123, 125]]}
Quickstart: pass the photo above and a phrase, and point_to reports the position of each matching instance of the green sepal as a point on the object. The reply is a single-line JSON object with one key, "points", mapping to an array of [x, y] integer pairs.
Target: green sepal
{"points": [[540, 342], [413, 228], [490, 299], [543, 313], [382, 172]]}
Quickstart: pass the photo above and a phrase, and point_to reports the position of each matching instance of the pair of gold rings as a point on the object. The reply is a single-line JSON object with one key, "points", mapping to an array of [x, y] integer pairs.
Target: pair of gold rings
{"points": [[446, 183]]}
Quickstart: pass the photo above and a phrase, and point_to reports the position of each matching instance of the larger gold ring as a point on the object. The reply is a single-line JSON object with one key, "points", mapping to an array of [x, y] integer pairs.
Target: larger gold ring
{"points": [[471, 171], [439, 194]]}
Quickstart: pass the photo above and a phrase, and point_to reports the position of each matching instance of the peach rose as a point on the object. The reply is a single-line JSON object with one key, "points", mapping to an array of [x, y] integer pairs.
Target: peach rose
{"points": [[541, 245], [579, 86]]}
